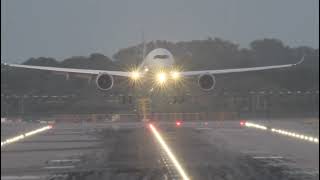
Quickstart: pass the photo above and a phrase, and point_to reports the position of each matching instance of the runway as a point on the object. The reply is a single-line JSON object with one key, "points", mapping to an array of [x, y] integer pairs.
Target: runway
{"points": [[214, 150]]}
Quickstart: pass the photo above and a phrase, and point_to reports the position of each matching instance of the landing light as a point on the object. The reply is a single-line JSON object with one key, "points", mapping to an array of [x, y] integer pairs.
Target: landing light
{"points": [[175, 75], [161, 78], [135, 75]]}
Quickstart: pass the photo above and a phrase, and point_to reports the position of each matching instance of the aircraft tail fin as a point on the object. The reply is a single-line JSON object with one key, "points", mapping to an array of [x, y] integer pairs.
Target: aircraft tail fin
{"points": [[143, 47], [143, 51]]}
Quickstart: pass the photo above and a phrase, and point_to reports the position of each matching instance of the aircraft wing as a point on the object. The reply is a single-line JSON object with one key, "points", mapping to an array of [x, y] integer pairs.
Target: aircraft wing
{"points": [[225, 71], [72, 70]]}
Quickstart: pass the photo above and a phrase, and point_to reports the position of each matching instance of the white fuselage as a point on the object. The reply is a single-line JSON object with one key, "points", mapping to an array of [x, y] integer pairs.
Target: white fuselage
{"points": [[158, 59]]}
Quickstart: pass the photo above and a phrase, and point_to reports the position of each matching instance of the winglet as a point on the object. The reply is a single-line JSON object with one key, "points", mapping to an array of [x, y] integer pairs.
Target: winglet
{"points": [[301, 60]]}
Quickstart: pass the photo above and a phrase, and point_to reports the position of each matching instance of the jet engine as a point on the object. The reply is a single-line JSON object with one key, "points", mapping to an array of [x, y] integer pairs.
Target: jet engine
{"points": [[104, 81], [206, 82]]}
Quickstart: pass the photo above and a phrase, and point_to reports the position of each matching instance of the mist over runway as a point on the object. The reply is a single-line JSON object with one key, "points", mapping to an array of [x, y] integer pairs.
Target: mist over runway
{"points": [[122, 150]]}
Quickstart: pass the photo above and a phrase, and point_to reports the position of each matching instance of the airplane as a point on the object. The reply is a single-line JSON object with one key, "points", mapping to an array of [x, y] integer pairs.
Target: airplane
{"points": [[160, 64]]}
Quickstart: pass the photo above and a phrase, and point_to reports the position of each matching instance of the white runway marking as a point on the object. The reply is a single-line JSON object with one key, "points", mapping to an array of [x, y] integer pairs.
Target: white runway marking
{"points": [[59, 167], [23, 136], [267, 157], [64, 160], [21, 177]]}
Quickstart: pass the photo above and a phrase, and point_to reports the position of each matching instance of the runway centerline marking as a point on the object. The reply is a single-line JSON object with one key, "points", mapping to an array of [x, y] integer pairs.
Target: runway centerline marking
{"points": [[267, 157], [169, 152], [25, 135]]}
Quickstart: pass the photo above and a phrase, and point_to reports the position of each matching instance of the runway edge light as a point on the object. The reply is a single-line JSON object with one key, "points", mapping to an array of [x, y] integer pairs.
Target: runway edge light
{"points": [[25, 135], [169, 152]]}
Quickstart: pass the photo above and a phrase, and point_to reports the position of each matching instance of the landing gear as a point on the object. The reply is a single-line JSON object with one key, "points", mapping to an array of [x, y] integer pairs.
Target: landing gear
{"points": [[144, 108], [126, 99]]}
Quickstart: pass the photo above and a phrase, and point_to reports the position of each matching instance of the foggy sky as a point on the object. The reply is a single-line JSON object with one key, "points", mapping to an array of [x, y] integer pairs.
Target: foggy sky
{"points": [[60, 28]]}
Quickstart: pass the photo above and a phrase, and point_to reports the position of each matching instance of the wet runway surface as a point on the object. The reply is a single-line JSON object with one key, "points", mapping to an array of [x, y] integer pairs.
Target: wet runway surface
{"points": [[130, 151]]}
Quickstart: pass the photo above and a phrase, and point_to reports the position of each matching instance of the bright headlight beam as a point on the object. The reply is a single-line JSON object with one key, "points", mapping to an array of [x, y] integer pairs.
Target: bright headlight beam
{"points": [[22, 136], [169, 152]]}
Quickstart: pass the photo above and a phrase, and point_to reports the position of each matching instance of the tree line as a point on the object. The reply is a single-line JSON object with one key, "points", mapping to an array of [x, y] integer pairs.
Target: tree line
{"points": [[191, 55]]}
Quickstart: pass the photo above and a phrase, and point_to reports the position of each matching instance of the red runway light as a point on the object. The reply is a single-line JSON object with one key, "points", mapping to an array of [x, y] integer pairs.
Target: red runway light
{"points": [[242, 123], [178, 123]]}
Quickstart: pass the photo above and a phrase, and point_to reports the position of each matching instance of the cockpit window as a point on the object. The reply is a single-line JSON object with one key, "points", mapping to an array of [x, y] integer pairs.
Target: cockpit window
{"points": [[161, 57]]}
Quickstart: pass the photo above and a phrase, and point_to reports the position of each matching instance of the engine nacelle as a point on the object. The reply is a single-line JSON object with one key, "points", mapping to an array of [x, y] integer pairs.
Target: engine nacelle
{"points": [[206, 82], [104, 81]]}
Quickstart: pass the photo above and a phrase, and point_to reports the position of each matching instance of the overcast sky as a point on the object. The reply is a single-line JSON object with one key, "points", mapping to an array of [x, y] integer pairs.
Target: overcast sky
{"points": [[64, 28]]}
